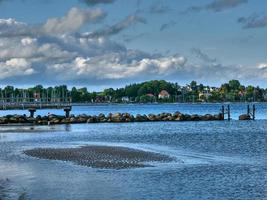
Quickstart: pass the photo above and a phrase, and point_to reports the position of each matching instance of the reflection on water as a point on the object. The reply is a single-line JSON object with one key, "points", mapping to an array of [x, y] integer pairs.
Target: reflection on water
{"points": [[31, 128], [217, 160]]}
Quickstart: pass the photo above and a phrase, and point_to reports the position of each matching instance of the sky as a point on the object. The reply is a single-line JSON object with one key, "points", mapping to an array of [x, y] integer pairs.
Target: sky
{"points": [[110, 43]]}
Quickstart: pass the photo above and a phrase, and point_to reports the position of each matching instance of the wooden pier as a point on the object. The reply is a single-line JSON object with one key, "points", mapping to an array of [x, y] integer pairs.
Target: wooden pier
{"points": [[29, 103], [34, 104]]}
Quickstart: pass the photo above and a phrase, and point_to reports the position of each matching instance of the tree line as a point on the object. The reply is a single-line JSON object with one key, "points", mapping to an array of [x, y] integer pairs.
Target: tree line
{"points": [[144, 92]]}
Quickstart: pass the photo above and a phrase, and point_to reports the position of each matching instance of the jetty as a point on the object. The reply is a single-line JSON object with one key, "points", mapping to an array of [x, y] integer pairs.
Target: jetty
{"points": [[112, 117], [37, 103], [32, 104]]}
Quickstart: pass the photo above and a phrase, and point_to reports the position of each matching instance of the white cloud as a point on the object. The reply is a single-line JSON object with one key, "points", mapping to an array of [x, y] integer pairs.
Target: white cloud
{"points": [[28, 41], [73, 21], [57, 52], [11, 27], [15, 67], [115, 66]]}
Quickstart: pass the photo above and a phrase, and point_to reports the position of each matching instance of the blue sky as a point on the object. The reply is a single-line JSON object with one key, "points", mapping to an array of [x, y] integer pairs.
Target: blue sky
{"points": [[100, 43]]}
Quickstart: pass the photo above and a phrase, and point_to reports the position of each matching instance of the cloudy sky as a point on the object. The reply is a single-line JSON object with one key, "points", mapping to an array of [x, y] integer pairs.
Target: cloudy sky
{"points": [[100, 43]]}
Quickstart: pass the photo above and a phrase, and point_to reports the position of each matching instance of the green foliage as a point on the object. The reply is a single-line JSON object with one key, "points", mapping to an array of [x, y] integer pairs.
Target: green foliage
{"points": [[140, 92]]}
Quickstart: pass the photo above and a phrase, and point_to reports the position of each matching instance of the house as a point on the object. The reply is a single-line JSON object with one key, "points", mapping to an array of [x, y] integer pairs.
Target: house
{"points": [[36, 96], [164, 95], [204, 95], [125, 99]]}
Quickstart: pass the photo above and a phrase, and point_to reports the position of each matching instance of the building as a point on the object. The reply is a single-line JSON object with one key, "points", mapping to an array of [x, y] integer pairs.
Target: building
{"points": [[125, 99], [36, 96], [164, 95], [203, 96]]}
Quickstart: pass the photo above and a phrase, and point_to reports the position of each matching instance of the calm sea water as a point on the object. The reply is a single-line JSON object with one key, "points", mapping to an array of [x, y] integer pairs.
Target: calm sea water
{"points": [[236, 109], [215, 160]]}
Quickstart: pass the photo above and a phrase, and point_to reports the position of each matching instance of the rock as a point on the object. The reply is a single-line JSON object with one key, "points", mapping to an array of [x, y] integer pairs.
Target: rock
{"points": [[180, 117], [170, 118], [90, 120], [73, 120], [3, 120], [195, 117], [152, 117], [82, 116], [218, 117], [187, 117], [176, 115], [117, 117], [244, 117], [17, 119], [139, 118], [55, 121], [101, 116], [81, 120], [207, 117], [65, 121], [31, 120]]}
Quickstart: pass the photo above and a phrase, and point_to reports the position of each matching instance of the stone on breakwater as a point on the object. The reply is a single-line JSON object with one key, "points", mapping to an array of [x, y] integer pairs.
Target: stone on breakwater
{"points": [[244, 117], [117, 117], [152, 117], [207, 117], [141, 118]]}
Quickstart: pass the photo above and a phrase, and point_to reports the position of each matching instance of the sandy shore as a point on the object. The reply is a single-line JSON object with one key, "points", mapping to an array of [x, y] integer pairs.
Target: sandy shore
{"points": [[105, 157]]}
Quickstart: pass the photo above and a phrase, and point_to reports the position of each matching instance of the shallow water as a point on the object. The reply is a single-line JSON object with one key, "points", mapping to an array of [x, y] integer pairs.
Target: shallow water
{"points": [[215, 160]]}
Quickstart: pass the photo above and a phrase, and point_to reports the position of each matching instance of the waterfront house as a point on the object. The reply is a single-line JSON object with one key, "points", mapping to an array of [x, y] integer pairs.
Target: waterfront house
{"points": [[203, 96], [125, 99], [164, 95]]}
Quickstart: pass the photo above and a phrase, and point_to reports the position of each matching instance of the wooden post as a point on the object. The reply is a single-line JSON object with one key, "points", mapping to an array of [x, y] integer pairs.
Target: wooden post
{"points": [[253, 112], [228, 112], [248, 110], [67, 111], [32, 111], [223, 112]]}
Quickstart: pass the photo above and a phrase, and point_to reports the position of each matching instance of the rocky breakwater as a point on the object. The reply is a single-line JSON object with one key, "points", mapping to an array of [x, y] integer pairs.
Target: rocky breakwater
{"points": [[110, 118], [245, 117]]}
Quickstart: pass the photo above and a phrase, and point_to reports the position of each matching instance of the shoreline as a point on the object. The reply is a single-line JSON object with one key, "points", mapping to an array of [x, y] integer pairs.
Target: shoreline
{"points": [[102, 157], [164, 103]]}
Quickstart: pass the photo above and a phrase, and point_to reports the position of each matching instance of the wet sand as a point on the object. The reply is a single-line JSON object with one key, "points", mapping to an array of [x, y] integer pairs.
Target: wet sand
{"points": [[104, 157]]}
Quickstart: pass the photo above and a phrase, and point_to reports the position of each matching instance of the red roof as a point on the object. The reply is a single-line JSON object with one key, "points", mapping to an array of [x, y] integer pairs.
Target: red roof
{"points": [[164, 93]]}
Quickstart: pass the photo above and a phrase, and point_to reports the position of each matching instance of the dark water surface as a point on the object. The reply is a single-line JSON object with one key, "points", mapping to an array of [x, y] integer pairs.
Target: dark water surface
{"points": [[215, 160]]}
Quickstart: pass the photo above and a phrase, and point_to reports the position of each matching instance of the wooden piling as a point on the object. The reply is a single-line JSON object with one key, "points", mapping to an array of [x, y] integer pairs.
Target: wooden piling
{"points": [[228, 112], [32, 111], [223, 111], [67, 111], [253, 111]]}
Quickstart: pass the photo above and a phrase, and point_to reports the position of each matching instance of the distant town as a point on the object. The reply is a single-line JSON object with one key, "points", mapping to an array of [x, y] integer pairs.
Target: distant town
{"points": [[146, 92]]}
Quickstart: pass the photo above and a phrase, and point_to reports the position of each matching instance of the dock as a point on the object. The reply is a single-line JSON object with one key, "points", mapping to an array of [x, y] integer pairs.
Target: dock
{"points": [[33, 104], [29, 103]]}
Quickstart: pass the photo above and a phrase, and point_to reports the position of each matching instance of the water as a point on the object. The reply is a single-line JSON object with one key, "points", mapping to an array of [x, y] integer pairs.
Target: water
{"points": [[236, 109], [215, 160]]}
